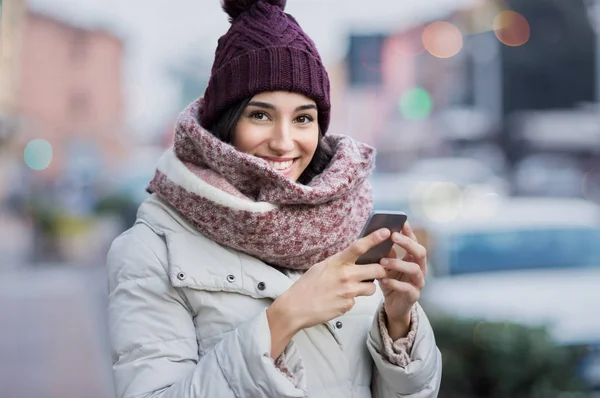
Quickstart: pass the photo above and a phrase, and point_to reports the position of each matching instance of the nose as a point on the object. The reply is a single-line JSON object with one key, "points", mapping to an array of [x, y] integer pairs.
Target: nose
{"points": [[281, 139]]}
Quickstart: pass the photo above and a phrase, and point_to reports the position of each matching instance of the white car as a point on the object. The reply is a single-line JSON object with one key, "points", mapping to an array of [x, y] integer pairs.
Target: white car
{"points": [[548, 175], [535, 261]]}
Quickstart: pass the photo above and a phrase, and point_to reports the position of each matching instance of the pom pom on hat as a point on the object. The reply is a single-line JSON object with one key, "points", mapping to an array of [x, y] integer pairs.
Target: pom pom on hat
{"points": [[236, 7]]}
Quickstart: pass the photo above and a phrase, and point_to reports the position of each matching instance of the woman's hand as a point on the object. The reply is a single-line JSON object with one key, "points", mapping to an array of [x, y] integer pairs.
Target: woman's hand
{"points": [[326, 291], [404, 281]]}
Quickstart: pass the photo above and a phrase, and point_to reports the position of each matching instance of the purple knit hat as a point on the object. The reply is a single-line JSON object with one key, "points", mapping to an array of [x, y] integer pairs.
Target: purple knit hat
{"points": [[264, 50]]}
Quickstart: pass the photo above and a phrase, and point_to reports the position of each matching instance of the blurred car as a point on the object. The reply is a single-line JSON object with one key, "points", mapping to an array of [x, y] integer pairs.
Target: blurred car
{"points": [[430, 178], [536, 261], [462, 171], [548, 175]]}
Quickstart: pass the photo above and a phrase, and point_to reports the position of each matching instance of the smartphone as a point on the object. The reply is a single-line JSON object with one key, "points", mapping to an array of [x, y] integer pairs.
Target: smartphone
{"points": [[392, 220]]}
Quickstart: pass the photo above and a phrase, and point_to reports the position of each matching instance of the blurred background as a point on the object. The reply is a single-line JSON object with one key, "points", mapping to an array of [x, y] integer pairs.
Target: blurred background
{"points": [[485, 115]]}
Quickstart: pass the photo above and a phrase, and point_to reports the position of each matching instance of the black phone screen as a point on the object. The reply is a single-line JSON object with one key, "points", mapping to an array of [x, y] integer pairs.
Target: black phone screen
{"points": [[394, 221]]}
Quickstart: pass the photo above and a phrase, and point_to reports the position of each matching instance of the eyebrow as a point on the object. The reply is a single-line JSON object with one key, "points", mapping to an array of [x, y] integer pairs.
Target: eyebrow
{"points": [[266, 105]]}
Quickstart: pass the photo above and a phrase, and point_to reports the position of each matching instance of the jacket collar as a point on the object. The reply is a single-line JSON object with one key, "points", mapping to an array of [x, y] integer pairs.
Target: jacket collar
{"points": [[196, 262]]}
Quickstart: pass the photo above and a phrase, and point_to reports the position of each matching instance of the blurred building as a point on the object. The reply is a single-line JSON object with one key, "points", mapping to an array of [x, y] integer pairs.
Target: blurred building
{"points": [[62, 125], [71, 95], [368, 90], [458, 81], [62, 83], [11, 18]]}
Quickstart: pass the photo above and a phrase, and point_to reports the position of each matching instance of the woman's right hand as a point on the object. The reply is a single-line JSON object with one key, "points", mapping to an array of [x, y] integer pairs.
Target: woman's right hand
{"points": [[328, 289]]}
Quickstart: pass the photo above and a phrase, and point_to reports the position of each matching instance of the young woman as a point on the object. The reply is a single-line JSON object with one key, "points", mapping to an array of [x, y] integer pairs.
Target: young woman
{"points": [[238, 278]]}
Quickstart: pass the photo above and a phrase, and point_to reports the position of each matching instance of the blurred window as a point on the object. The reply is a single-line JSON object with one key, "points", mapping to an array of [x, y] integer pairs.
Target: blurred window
{"points": [[556, 68], [364, 59], [524, 249]]}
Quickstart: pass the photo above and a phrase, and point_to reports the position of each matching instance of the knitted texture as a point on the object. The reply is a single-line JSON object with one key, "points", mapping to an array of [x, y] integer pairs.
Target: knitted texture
{"points": [[241, 202], [398, 352], [264, 50]]}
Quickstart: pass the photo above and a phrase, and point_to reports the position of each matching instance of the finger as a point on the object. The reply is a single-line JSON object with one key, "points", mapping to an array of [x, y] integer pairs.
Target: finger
{"points": [[411, 270], [408, 231], [367, 272], [366, 289], [411, 294], [362, 245], [412, 247]]}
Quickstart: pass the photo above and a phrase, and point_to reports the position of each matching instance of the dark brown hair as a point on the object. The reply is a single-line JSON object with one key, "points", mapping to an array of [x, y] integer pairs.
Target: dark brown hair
{"points": [[224, 129]]}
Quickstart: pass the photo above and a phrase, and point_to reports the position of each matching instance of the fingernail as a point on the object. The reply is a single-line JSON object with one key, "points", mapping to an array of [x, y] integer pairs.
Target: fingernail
{"points": [[385, 261], [397, 237], [384, 281]]}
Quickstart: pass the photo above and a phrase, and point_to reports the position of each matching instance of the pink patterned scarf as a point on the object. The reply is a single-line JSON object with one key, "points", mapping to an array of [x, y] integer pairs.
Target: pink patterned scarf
{"points": [[239, 201]]}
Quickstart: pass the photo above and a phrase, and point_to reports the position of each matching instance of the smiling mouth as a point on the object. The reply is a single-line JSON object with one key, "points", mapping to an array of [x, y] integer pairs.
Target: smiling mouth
{"points": [[282, 167]]}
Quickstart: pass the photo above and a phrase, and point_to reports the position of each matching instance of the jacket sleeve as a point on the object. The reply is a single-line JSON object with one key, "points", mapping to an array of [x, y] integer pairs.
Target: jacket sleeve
{"points": [[421, 376], [153, 337]]}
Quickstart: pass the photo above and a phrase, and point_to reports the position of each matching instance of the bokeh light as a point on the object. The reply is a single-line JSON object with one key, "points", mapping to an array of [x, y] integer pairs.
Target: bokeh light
{"points": [[442, 39], [416, 104], [38, 154], [442, 201], [512, 28]]}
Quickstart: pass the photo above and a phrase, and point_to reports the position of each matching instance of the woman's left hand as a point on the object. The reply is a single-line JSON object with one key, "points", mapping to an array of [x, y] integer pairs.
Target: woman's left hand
{"points": [[404, 282]]}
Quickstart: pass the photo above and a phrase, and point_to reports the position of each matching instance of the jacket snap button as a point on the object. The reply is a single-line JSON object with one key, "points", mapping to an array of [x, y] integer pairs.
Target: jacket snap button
{"points": [[338, 325], [230, 278], [181, 276], [261, 286]]}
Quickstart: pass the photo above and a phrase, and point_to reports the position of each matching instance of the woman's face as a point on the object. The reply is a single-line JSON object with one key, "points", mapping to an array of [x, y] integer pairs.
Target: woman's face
{"points": [[282, 128]]}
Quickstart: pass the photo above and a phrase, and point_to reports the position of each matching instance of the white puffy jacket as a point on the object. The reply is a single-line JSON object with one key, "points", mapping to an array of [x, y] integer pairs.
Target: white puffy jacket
{"points": [[188, 320]]}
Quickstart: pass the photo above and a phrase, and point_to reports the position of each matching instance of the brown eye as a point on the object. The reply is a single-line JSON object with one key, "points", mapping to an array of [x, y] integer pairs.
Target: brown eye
{"points": [[304, 119], [259, 115]]}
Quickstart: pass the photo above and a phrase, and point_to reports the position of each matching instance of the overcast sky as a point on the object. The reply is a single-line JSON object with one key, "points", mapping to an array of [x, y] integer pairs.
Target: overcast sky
{"points": [[158, 33]]}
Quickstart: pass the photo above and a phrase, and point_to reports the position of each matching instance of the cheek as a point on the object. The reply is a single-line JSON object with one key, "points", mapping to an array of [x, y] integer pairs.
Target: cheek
{"points": [[310, 142], [245, 137]]}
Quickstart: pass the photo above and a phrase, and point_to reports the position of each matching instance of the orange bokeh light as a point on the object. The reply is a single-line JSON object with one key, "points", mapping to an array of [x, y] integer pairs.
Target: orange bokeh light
{"points": [[442, 39], [512, 28]]}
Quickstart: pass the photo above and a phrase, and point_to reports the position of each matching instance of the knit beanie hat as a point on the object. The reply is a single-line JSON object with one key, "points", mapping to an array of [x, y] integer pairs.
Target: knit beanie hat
{"points": [[264, 50]]}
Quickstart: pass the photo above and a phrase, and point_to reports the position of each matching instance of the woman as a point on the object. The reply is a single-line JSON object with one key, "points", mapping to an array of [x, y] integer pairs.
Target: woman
{"points": [[238, 278]]}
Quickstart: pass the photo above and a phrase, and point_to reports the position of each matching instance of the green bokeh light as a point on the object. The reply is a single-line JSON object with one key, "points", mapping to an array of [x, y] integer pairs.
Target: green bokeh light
{"points": [[416, 104], [38, 154]]}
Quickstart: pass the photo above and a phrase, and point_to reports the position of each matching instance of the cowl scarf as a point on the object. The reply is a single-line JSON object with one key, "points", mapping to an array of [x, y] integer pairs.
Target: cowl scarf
{"points": [[241, 202]]}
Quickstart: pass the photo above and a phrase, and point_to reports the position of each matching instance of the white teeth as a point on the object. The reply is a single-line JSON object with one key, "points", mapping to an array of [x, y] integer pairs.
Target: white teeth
{"points": [[281, 165]]}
